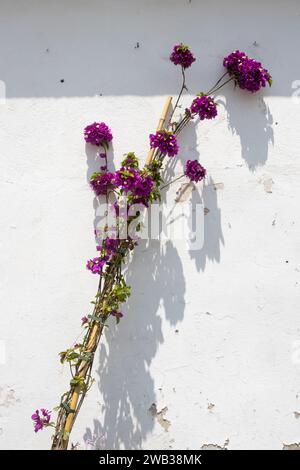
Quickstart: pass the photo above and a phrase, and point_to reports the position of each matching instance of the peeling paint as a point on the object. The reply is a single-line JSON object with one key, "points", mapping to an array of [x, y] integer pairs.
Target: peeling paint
{"points": [[211, 406], [268, 184], [295, 446], [159, 415], [7, 396], [218, 186], [215, 446], [184, 192]]}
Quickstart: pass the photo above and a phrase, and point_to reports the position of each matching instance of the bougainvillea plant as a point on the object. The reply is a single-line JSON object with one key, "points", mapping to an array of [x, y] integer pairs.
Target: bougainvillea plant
{"points": [[142, 186]]}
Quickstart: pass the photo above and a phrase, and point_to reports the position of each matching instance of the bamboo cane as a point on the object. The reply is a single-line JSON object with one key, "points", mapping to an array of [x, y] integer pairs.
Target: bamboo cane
{"points": [[76, 392], [159, 127]]}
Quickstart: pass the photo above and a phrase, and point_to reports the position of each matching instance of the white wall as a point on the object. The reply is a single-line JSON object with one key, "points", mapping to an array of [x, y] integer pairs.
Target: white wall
{"points": [[234, 305]]}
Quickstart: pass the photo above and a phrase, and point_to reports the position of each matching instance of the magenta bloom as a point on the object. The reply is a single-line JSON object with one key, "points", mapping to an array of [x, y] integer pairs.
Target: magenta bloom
{"points": [[205, 107], [165, 141], [97, 133], [96, 265], [194, 171], [41, 419], [132, 180], [181, 55], [118, 315], [248, 73], [125, 178], [102, 183], [143, 186], [84, 320], [111, 245]]}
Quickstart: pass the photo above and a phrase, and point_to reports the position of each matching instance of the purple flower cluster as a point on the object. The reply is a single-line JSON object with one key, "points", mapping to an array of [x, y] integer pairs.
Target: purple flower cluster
{"points": [[130, 161], [130, 179], [108, 249], [143, 186], [101, 183], [97, 133], [204, 106], [41, 419], [181, 55], [248, 73], [194, 171], [125, 178], [96, 265], [165, 141], [111, 245]]}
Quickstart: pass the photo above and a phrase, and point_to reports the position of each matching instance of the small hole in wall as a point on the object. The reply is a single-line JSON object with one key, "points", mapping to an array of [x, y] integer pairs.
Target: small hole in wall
{"points": [[62, 80]]}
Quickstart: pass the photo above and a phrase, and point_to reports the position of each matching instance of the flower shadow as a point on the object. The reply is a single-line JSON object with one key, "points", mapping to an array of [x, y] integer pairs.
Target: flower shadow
{"points": [[157, 305], [250, 118], [204, 197], [93, 165]]}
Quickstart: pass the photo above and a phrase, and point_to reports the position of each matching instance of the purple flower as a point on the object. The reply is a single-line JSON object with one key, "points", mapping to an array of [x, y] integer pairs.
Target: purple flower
{"points": [[96, 265], [205, 107], [98, 133], [125, 178], [165, 141], [111, 245], [181, 55], [130, 161], [84, 320], [102, 183], [118, 315], [143, 186], [194, 171], [248, 73], [233, 60], [41, 419], [134, 181]]}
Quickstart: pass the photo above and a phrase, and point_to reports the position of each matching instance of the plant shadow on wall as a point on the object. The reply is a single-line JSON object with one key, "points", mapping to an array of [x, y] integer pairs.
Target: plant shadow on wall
{"points": [[250, 118], [206, 198], [157, 280], [92, 160], [125, 382]]}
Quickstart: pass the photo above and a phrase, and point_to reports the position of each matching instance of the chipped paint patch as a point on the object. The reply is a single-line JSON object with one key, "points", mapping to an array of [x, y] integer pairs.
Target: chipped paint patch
{"points": [[267, 183], [7, 397], [211, 406], [217, 186], [215, 446], [184, 192], [159, 415], [295, 446]]}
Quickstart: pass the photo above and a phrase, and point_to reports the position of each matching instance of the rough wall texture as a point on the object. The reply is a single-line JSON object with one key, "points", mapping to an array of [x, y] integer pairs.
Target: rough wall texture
{"points": [[208, 353]]}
